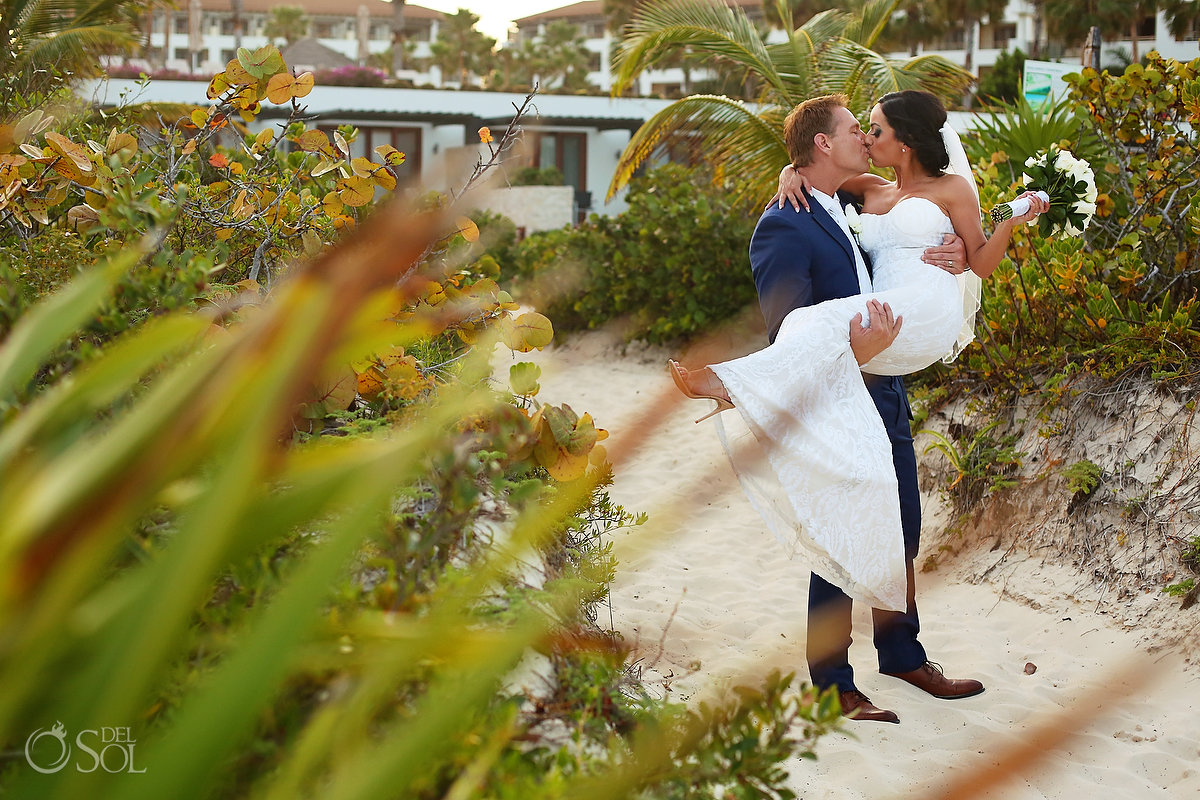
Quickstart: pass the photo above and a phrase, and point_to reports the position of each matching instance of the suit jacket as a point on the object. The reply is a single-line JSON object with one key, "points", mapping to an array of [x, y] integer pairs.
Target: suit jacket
{"points": [[799, 258]]}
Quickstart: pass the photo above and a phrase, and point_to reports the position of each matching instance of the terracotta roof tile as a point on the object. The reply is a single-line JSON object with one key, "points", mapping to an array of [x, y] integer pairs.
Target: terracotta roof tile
{"points": [[337, 8]]}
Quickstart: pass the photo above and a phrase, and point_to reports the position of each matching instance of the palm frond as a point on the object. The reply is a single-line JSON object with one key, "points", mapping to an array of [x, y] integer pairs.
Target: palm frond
{"points": [[870, 21], [864, 75], [75, 50], [718, 31], [727, 129], [799, 59]]}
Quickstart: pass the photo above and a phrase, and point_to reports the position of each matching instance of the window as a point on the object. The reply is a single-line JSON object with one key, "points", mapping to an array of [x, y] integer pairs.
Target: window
{"points": [[179, 23], [326, 30], [1145, 28], [997, 37], [183, 54], [228, 55], [1191, 33], [593, 61], [567, 152]]}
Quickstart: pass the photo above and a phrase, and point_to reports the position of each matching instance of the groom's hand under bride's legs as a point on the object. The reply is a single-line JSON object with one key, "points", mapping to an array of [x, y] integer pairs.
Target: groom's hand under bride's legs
{"points": [[882, 329]]}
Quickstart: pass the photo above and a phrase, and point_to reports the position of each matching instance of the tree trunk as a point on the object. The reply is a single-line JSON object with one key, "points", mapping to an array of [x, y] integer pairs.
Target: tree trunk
{"points": [[1133, 36], [237, 25], [397, 36]]}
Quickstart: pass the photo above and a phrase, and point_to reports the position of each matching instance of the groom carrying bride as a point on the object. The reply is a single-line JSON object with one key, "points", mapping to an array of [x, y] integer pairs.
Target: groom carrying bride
{"points": [[804, 257]]}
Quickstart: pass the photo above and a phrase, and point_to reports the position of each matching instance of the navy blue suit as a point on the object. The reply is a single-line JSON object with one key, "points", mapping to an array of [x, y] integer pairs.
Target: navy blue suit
{"points": [[798, 259]]}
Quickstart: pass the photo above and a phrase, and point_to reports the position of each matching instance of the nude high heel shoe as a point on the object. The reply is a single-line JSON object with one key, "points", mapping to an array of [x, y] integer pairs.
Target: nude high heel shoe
{"points": [[679, 375]]}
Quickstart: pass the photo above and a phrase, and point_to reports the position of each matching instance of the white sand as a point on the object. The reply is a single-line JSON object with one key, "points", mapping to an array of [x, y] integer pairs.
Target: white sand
{"points": [[710, 600]]}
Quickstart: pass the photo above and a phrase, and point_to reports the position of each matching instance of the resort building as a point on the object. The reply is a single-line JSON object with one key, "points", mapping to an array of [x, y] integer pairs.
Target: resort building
{"points": [[201, 36], [1021, 26]]}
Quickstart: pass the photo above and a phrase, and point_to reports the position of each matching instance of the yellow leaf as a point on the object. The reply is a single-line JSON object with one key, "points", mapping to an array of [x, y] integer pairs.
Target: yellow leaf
{"points": [[527, 332], [340, 142], [370, 383], [37, 208], [198, 118], [468, 229], [10, 164], [338, 389], [323, 166], [311, 242], [25, 126], [223, 233], [83, 217], [332, 204], [303, 85], [313, 141], [362, 166], [355, 191], [236, 168], [237, 74], [120, 143], [189, 148], [219, 83], [279, 88]]}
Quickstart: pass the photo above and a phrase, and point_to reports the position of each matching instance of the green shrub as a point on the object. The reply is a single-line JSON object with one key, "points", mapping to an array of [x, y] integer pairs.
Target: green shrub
{"points": [[538, 176], [673, 265], [1082, 477], [1123, 297], [1003, 82]]}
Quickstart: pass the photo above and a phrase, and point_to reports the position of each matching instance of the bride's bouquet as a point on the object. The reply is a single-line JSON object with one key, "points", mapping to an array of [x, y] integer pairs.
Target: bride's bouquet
{"points": [[1069, 184]]}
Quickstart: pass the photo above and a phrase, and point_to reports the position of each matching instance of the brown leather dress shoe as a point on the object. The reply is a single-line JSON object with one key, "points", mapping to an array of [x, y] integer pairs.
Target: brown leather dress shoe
{"points": [[855, 705], [929, 678]]}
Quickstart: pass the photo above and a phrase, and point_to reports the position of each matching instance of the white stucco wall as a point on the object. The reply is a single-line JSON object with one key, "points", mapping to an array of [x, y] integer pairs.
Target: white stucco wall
{"points": [[532, 208]]}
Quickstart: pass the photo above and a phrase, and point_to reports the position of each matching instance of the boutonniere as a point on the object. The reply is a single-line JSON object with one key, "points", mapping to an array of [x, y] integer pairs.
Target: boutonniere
{"points": [[853, 221]]}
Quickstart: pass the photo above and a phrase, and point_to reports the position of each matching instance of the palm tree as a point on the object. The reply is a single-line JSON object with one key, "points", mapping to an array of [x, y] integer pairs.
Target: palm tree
{"points": [[829, 53], [561, 58], [1182, 15], [461, 50], [1069, 20], [289, 23], [71, 35]]}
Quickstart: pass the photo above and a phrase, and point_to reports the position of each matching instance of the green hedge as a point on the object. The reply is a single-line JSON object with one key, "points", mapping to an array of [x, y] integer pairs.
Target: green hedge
{"points": [[674, 264]]}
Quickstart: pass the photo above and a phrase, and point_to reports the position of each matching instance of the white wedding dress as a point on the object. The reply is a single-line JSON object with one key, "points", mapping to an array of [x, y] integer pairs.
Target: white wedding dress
{"points": [[813, 455]]}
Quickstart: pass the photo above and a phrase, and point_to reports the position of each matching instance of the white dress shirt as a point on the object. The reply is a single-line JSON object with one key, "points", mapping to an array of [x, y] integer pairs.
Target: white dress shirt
{"points": [[834, 207]]}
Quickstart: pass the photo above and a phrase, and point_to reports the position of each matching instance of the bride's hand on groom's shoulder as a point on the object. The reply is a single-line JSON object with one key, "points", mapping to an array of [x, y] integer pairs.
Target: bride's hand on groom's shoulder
{"points": [[791, 189]]}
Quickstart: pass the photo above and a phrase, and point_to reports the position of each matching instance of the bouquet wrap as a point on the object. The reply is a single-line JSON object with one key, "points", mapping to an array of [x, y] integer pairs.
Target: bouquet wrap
{"points": [[1015, 208]]}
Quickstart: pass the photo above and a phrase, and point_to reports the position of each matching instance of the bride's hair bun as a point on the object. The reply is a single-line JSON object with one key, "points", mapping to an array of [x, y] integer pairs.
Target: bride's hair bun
{"points": [[917, 117]]}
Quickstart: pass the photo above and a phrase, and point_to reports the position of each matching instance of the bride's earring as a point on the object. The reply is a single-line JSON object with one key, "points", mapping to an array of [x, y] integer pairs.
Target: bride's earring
{"points": [[903, 149]]}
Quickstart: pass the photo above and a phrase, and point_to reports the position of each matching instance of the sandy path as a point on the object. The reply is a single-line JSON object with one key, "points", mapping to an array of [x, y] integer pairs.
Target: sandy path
{"points": [[710, 600]]}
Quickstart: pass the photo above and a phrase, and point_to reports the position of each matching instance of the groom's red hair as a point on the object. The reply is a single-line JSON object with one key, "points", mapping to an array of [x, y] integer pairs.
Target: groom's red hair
{"points": [[811, 117]]}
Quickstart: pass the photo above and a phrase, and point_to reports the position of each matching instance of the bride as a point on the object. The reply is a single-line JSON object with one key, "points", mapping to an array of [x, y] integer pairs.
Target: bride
{"points": [[821, 442]]}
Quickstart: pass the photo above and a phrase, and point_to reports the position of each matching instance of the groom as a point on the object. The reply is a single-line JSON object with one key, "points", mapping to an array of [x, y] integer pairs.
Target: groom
{"points": [[800, 258]]}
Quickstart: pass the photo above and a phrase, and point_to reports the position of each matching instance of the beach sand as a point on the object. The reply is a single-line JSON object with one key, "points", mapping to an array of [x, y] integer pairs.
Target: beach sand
{"points": [[708, 600]]}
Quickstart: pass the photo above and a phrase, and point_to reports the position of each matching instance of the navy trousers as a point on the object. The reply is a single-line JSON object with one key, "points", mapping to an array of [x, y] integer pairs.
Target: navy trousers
{"points": [[895, 633]]}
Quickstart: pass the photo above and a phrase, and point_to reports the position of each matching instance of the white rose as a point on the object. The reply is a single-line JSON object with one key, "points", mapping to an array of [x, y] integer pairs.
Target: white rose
{"points": [[1025, 179], [1072, 230], [853, 221], [1091, 194], [1029, 162], [1085, 207]]}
